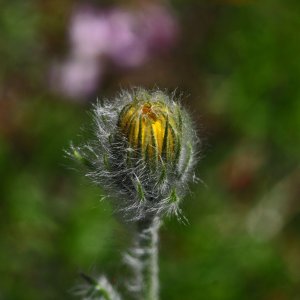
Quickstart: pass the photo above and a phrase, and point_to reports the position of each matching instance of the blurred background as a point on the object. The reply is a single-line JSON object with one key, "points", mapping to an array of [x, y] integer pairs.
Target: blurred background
{"points": [[237, 63]]}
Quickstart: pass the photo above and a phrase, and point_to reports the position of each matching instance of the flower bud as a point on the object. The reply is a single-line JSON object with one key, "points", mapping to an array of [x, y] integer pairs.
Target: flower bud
{"points": [[152, 129], [143, 152]]}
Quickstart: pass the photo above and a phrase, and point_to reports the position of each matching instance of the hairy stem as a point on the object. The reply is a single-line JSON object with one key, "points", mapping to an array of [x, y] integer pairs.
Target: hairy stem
{"points": [[148, 243], [143, 259]]}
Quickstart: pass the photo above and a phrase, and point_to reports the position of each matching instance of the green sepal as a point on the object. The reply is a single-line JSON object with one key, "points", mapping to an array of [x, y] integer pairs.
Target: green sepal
{"points": [[179, 118], [104, 120], [140, 190], [122, 112], [140, 141], [163, 174], [106, 162], [177, 150], [129, 158], [187, 160], [95, 289], [81, 159], [155, 146], [173, 198], [149, 161], [176, 144], [164, 151]]}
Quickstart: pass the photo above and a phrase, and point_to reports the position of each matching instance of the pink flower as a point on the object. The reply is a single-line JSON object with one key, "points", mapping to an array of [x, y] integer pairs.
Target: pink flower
{"points": [[127, 48], [159, 28], [127, 38], [76, 78], [90, 33]]}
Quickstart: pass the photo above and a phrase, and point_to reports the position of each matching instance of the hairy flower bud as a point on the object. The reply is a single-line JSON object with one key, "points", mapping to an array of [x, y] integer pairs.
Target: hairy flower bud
{"points": [[143, 152]]}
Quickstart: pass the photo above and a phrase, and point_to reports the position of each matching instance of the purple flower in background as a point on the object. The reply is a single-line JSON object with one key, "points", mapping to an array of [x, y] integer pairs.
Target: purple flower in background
{"points": [[76, 78], [89, 33], [160, 28], [127, 38], [138, 35], [127, 47]]}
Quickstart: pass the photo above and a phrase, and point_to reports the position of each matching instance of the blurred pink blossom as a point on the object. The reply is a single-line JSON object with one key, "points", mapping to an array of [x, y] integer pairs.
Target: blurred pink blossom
{"points": [[76, 78], [127, 38], [127, 47], [160, 28], [89, 33]]}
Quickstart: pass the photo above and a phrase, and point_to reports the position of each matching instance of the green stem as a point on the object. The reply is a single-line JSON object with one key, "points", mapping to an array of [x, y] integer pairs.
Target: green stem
{"points": [[146, 255]]}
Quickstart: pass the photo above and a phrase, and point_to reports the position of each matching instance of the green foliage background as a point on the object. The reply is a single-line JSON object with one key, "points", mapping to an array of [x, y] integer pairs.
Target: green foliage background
{"points": [[239, 62]]}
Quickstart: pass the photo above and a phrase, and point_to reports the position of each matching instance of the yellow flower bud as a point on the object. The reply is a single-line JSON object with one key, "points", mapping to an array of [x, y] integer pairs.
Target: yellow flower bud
{"points": [[153, 129]]}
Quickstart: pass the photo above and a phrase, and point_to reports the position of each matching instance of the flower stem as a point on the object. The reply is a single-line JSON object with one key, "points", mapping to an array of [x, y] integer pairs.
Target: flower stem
{"points": [[148, 243]]}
